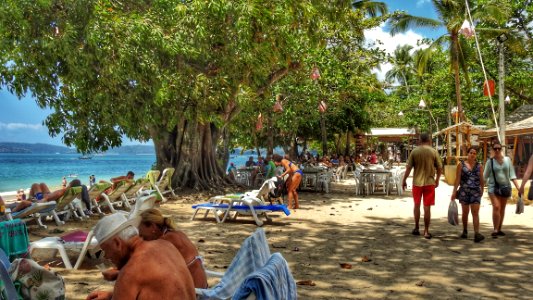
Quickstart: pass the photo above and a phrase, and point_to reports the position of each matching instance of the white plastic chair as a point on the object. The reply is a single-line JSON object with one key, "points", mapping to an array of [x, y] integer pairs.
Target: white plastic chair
{"points": [[77, 240], [324, 179]]}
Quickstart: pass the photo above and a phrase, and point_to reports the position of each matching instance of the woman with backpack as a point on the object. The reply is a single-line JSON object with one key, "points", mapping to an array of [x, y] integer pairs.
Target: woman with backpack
{"points": [[293, 182]]}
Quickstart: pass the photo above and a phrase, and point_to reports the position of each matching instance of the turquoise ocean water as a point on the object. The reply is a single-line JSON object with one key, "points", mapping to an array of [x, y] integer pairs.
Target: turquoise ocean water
{"points": [[20, 170]]}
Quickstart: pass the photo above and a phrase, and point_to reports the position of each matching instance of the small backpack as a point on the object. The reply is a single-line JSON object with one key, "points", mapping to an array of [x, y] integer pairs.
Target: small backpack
{"points": [[277, 192], [35, 282]]}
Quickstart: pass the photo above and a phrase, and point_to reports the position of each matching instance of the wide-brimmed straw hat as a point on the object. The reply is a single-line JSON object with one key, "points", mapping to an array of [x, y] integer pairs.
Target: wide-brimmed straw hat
{"points": [[111, 225]]}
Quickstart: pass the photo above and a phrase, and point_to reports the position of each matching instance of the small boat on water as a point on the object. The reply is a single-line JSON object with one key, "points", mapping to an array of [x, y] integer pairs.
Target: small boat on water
{"points": [[85, 157]]}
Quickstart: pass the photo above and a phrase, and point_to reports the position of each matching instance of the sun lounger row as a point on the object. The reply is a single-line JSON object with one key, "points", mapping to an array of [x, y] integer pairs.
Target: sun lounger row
{"points": [[123, 195]]}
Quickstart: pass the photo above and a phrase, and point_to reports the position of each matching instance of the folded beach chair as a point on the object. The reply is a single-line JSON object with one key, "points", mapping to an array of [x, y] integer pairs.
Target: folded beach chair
{"points": [[233, 206], [272, 281], [252, 255], [32, 212], [78, 240], [164, 184], [7, 288]]}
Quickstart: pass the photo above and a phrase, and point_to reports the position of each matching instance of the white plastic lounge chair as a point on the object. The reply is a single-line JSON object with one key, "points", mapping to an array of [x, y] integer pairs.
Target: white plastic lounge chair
{"points": [[77, 240], [131, 194], [114, 197], [32, 212], [239, 205], [252, 255], [65, 206], [6, 285], [272, 281], [164, 185], [95, 192], [144, 201]]}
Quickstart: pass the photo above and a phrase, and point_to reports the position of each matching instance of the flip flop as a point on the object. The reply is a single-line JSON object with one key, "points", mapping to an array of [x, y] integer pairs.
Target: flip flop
{"points": [[494, 235], [428, 236], [501, 233], [415, 232]]}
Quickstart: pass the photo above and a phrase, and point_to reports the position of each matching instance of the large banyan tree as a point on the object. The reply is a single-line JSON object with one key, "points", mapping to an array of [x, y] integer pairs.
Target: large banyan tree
{"points": [[174, 71]]}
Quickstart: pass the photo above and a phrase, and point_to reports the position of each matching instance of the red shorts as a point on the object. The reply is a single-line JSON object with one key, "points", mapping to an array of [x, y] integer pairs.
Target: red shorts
{"points": [[428, 191]]}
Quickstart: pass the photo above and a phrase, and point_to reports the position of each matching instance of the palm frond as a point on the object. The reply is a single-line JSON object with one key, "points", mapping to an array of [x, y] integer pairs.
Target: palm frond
{"points": [[402, 22], [371, 8]]}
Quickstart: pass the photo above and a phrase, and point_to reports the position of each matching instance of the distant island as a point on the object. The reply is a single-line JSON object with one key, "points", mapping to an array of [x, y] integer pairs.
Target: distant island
{"points": [[9, 147]]}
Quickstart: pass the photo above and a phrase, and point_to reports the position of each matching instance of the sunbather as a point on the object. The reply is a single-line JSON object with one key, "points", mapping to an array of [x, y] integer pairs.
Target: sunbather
{"points": [[41, 193], [155, 226], [148, 270]]}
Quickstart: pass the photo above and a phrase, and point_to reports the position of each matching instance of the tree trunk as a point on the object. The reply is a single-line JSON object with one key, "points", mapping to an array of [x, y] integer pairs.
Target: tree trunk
{"points": [[324, 138], [270, 136], [347, 148], [191, 149], [455, 65]]}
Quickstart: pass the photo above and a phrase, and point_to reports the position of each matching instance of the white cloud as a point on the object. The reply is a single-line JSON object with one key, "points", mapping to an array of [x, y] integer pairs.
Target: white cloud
{"points": [[18, 126], [378, 38], [422, 2]]}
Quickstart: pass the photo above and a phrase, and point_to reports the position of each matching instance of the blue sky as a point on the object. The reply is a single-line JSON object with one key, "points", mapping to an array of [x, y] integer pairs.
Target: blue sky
{"points": [[21, 120]]}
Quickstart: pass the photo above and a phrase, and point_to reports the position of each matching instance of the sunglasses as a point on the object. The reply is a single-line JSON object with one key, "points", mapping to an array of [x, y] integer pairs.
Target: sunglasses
{"points": [[496, 149]]}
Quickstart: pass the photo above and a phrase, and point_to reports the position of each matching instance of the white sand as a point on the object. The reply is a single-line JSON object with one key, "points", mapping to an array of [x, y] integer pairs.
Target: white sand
{"points": [[340, 227]]}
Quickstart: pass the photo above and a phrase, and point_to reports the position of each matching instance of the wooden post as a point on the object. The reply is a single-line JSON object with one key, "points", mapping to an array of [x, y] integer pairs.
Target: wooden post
{"points": [[514, 148]]}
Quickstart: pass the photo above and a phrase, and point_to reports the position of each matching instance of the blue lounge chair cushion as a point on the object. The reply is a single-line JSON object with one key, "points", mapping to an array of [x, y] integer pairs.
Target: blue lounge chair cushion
{"points": [[271, 207]]}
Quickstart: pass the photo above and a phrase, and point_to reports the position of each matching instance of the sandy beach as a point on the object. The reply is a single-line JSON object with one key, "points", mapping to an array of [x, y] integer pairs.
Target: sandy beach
{"points": [[371, 235]]}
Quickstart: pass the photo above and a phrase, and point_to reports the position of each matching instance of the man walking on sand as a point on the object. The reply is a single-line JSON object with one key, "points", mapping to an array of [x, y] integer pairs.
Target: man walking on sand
{"points": [[426, 162]]}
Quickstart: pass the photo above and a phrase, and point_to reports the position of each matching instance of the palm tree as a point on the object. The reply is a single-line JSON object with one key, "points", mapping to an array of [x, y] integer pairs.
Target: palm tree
{"points": [[451, 15], [402, 66]]}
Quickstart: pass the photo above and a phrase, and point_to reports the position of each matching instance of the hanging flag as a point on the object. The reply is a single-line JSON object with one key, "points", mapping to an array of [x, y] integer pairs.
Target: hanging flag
{"points": [[488, 86], [467, 30]]}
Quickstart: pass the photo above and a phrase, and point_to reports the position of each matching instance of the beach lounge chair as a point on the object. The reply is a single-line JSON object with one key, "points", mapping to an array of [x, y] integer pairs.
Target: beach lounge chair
{"points": [[233, 206], [272, 281], [113, 198], [129, 196], [164, 184], [78, 240], [7, 288], [252, 255], [65, 206], [95, 192], [32, 212]]}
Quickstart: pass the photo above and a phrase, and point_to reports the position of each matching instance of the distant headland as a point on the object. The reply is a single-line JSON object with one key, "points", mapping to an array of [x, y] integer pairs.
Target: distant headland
{"points": [[39, 148]]}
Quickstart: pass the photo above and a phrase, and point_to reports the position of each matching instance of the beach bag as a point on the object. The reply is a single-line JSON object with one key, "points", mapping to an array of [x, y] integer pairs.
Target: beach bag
{"points": [[453, 214], [278, 190], [500, 190], [35, 282], [519, 206]]}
